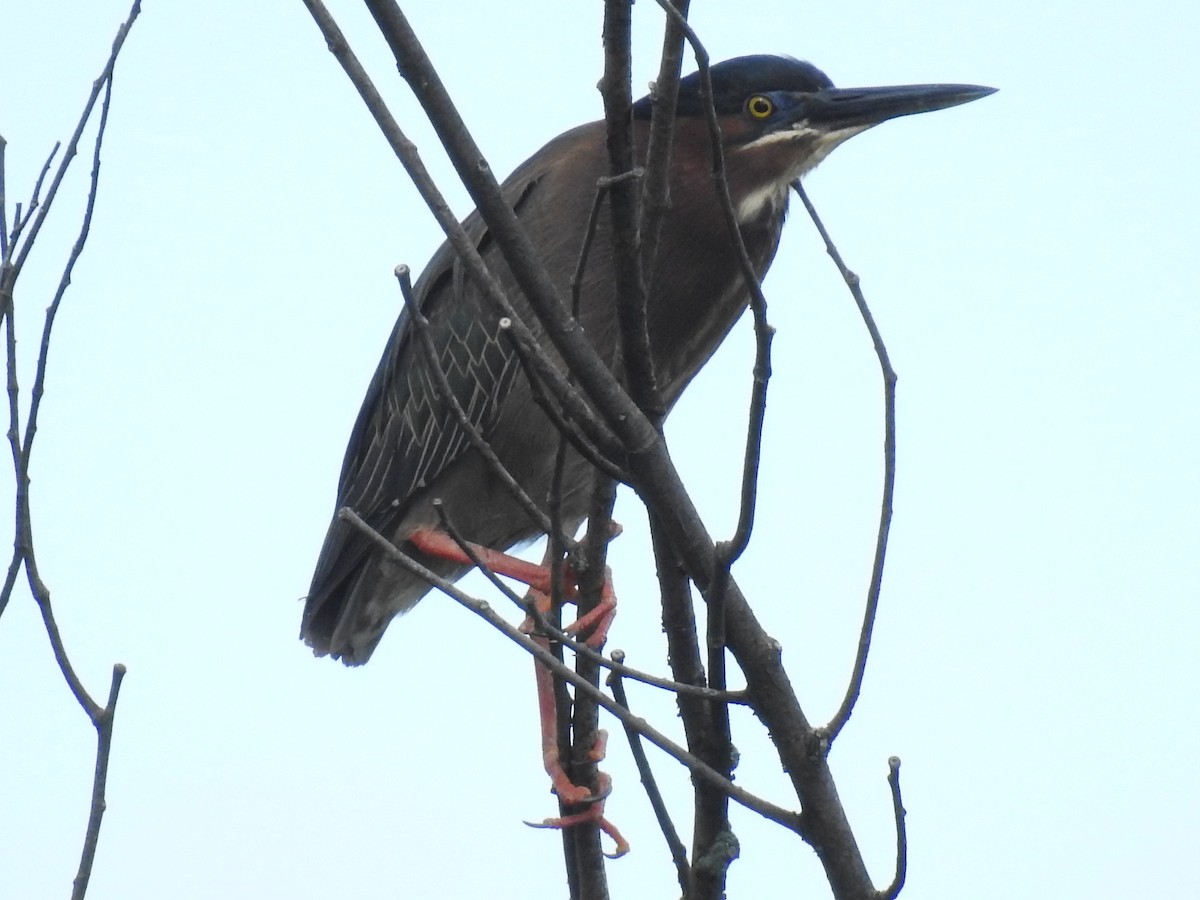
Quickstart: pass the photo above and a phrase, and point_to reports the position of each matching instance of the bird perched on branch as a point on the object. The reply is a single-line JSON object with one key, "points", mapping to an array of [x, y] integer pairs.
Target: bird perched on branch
{"points": [[779, 117]]}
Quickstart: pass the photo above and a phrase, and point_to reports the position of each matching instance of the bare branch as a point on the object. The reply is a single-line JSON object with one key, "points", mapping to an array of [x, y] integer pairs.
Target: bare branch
{"points": [[728, 552], [712, 811], [553, 693], [3, 201], [14, 436], [589, 233], [731, 550], [842, 716], [24, 536], [656, 198], [20, 220], [592, 576], [628, 278], [85, 228], [653, 794], [73, 143], [16, 248], [10, 579], [666, 684], [683, 655], [893, 890], [8, 241], [103, 721]]}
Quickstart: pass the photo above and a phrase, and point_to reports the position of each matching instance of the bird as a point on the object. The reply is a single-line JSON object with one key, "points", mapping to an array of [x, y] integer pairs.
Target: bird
{"points": [[407, 453], [412, 464]]}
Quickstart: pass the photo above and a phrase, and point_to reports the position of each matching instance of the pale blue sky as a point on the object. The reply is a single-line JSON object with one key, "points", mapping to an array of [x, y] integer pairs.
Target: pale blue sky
{"points": [[1030, 259]]}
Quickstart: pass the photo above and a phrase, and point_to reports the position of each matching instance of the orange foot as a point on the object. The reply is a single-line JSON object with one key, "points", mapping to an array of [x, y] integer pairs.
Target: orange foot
{"points": [[572, 794], [594, 625]]}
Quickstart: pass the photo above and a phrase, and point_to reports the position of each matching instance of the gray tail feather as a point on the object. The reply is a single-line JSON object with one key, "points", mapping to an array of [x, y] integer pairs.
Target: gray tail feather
{"points": [[347, 620]]}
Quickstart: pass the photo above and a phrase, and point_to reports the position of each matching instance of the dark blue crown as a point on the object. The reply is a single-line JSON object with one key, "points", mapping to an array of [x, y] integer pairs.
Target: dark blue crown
{"points": [[734, 80]]}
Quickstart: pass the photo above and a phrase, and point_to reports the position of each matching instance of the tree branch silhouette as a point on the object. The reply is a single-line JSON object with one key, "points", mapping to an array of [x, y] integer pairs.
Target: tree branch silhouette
{"points": [[15, 246], [842, 716]]}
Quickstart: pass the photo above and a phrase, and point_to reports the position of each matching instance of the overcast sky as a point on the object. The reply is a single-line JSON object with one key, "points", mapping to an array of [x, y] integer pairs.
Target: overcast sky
{"points": [[1030, 259]]}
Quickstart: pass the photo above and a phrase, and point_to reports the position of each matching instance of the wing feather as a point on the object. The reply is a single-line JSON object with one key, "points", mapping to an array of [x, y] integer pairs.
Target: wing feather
{"points": [[405, 434]]}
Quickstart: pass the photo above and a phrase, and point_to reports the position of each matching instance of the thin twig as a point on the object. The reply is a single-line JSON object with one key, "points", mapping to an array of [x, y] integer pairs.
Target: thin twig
{"points": [[683, 648], [582, 853], [758, 300], [14, 436], [104, 729], [20, 220], [679, 624], [893, 890], [786, 818], [41, 593], [720, 744], [585, 247], [85, 228], [729, 551], [73, 143], [3, 200], [591, 577], [555, 556], [10, 579], [624, 207], [602, 187], [732, 549], [842, 716], [653, 794], [469, 550], [666, 684], [656, 199]]}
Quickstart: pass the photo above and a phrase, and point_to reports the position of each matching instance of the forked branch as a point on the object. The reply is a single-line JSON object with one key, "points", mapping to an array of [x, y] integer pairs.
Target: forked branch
{"points": [[15, 247]]}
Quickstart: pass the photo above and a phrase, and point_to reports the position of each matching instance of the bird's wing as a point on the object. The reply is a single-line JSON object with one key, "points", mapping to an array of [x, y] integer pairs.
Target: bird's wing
{"points": [[405, 434]]}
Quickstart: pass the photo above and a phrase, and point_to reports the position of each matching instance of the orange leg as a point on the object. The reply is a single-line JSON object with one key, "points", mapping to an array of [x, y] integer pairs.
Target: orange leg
{"points": [[536, 576], [569, 792], [596, 621], [438, 543]]}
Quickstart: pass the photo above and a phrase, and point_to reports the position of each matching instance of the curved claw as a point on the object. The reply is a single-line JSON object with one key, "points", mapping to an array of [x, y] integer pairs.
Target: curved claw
{"points": [[593, 815]]}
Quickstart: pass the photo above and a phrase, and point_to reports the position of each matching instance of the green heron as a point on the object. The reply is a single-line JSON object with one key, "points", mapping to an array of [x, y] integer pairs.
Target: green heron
{"points": [[779, 117]]}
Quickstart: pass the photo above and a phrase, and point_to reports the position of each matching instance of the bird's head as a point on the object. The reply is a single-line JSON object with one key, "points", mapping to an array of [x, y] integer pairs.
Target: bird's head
{"points": [[780, 117]]}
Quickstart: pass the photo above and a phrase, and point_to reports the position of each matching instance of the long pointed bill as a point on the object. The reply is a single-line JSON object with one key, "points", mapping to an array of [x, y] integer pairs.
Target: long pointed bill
{"points": [[835, 109]]}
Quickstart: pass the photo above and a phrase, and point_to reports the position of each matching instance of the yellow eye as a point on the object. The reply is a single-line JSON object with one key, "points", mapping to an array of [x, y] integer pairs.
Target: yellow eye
{"points": [[760, 106]]}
